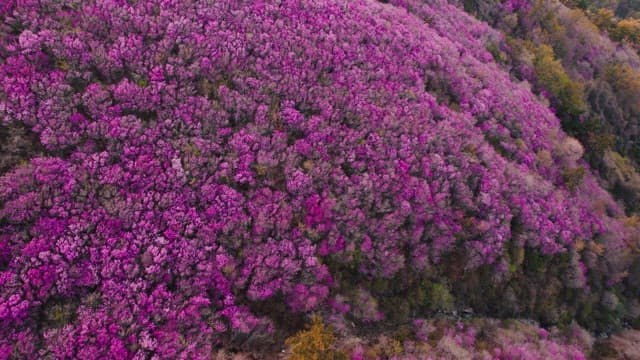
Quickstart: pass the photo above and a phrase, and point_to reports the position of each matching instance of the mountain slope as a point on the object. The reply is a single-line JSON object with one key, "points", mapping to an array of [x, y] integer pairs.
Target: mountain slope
{"points": [[212, 172]]}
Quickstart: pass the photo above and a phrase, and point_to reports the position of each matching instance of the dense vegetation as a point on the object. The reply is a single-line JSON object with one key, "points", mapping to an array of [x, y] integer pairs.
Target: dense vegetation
{"points": [[584, 60], [188, 178]]}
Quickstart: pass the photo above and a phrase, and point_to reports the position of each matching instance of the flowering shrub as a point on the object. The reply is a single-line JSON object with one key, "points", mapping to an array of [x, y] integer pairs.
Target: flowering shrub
{"points": [[477, 339], [201, 158]]}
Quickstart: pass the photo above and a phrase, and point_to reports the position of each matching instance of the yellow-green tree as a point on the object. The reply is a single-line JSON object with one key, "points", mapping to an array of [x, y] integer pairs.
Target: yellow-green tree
{"points": [[603, 19], [627, 29], [568, 95], [625, 81], [315, 343]]}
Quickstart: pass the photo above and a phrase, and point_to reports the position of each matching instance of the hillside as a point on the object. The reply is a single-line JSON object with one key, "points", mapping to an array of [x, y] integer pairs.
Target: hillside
{"points": [[191, 179]]}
